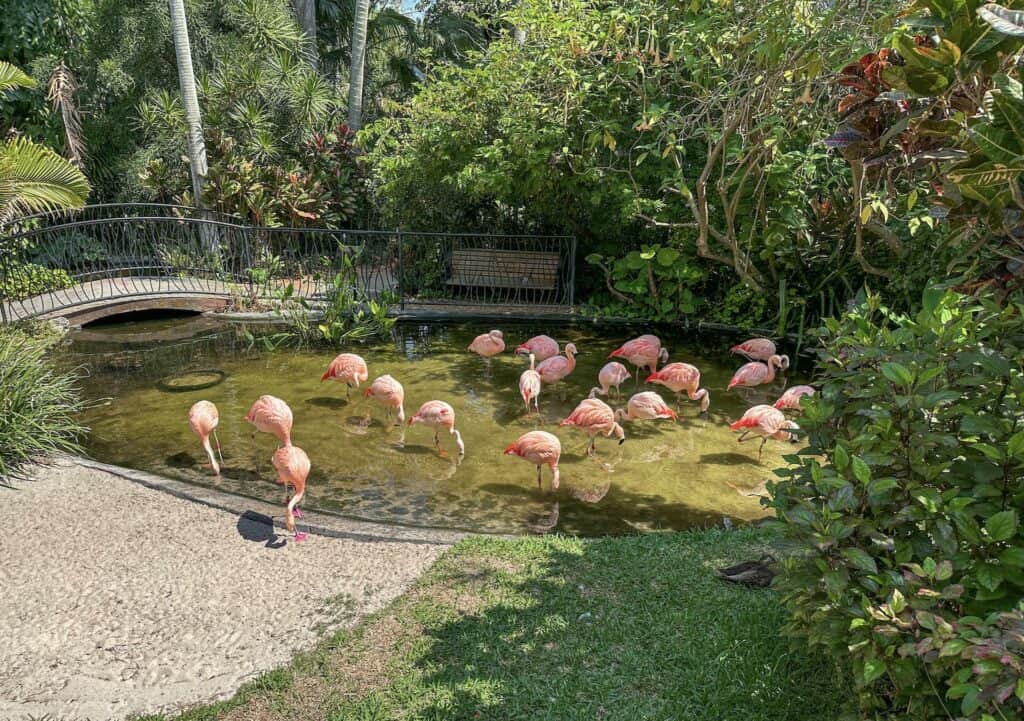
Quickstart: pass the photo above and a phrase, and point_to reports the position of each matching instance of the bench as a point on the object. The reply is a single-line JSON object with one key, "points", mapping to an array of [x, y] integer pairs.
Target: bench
{"points": [[493, 268]]}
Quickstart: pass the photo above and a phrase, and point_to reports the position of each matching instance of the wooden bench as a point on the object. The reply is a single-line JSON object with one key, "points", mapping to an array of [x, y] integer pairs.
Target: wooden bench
{"points": [[492, 268]]}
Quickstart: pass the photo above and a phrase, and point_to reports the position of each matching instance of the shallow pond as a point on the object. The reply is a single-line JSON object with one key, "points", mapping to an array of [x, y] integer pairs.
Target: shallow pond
{"points": [[665, 476]]}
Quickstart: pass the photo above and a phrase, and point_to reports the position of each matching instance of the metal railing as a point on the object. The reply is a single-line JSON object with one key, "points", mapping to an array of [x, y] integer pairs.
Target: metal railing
{"points": [[54, 262]]}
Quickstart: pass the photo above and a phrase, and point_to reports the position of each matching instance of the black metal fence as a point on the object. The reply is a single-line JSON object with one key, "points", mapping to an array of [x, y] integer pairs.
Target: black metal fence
{"points": [[53, 262]]}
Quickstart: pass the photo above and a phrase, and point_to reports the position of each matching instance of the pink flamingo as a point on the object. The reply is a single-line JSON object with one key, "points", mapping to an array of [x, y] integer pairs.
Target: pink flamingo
{"points": [[389, 393], [529, 386], [760, 349], [645, 406], [203, 418], [766, 422], [272, 415], [541, 346], [643, 352], [539, 448], [790, 400], [438, 415], [558, 367], [347, 368], [488, 344], [612, 374], [755, 373], [593, 416], [680, 377], [292, 466]]}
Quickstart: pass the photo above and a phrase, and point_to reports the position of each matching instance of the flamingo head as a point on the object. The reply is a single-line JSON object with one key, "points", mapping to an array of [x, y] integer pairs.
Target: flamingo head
{"points": [[793, 436], [497, 334], [737, 348], [326, 376], [617, 353], [663, 355], [570, 349], [522, 349], [512, 450], [368, 392], [653, 377]]}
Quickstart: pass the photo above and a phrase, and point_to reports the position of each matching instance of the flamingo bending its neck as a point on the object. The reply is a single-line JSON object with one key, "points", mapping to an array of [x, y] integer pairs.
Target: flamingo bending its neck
{"points": [[292, 466], [389, 393], [539, 448], [755, 373], [682, 377], [203, 418], [439, 415], [541, 346], [766, 422], [558, 367], [488, 344], [790, 400], [272, 415], [643, 352], [760, 349], [347, 368], [529, 386], [645, 406], [593, 416], [611, 375]]}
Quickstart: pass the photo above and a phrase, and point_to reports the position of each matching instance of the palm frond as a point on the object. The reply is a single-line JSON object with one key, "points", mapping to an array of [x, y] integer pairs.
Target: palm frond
{"points": [[265, 24], [35, 179], [12, 77], [388, 25], [61, 94]]}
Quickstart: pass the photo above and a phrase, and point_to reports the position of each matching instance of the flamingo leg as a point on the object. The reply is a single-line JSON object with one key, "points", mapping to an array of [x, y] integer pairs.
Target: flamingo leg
{"points": [[217, 441], [538, 477], [760, 448], [591, 448], [743, 437]]}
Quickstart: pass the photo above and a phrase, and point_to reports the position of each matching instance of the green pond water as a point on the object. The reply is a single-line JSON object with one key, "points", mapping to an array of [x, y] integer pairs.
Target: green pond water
{"points": [[665, 476]]}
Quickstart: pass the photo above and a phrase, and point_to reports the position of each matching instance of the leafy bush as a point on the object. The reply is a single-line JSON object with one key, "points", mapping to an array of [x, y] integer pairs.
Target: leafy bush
{"points": [[653, 283], [904, 508], [28, 279], [38, 404]]}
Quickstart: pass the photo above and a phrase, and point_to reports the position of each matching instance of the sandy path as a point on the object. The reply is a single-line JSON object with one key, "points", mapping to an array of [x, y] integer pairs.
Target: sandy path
{"points": [[116, 599]]}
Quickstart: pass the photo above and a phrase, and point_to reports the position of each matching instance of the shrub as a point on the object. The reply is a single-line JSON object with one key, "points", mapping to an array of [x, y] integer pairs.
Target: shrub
{"points": [[28, 279], [903, 509], [38, 403]]}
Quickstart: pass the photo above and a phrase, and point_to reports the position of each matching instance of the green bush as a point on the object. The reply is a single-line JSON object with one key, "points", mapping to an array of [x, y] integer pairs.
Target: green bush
{"points": [[28, 279], [38, 404], [903, 509]]}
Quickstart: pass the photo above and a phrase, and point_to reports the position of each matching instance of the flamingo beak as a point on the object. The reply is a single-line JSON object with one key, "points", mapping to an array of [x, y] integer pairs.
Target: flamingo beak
{"points": [[368, 392], [511, 450], [651, 377], [621, 441]]}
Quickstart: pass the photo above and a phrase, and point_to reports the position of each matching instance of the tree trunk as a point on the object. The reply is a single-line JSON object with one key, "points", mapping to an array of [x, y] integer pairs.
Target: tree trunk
{"points": [[305, 11], [187, 80], [355, 83]]}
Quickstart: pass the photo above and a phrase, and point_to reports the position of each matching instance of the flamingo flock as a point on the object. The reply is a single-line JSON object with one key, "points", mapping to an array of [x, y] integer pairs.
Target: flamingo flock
{"points": [[548, 364]]}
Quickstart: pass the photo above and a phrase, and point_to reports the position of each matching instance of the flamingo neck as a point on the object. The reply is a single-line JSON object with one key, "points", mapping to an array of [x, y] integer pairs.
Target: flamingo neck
{"points": [[291, 509], [209, 454], [458, 442], [533, 360]]}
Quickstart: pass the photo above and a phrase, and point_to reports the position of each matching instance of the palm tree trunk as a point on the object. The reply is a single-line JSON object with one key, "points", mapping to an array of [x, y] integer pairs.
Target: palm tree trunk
{"points": [[187, 81], [305, 11], [355, 83]]}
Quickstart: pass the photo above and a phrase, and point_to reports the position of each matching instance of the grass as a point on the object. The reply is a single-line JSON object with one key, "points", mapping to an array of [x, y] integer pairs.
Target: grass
{"points": [[557, 628]]}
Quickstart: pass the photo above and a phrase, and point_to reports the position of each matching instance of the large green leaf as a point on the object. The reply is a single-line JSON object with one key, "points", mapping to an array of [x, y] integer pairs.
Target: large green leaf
{"points": [[34, 178], [1003, 20], [1002, 526], [998, 145], [1008, 112], [11, 77], [987, 174]]}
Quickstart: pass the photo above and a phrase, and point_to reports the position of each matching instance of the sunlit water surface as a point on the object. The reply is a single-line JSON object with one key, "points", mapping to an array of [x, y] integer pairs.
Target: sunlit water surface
{"points": [[665, 476]]}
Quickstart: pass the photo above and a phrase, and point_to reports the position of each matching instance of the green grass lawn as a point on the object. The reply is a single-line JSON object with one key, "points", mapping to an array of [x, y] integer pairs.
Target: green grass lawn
{"points": [[557, 628]]}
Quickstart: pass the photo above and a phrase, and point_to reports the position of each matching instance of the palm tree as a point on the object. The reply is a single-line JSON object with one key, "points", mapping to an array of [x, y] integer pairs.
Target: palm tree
{"points": [[355, 83], [34, 178], [187, 81]]}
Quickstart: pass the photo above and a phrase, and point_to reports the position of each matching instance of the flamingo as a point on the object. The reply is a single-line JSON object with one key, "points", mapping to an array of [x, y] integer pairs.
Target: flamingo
{"points": [[389, 393], [292, 466], [558, 367], [529, 385], [644, 407], [766, 422], [643, 352], [612, 374], [680, 377], [790, 400], [438, 415], [203, 418], [541, 346], [272, 415], [755, 373], [347, 368], [756, 349], [541, 449], [488, 344], [593, 416]]}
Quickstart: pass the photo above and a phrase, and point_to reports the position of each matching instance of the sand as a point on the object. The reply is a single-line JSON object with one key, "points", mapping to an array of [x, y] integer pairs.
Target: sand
{"points": [[117, 599]]}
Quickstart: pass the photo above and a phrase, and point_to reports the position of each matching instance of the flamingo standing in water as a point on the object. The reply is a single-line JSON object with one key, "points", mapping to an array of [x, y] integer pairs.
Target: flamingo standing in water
{"points": [[643, 352], [390, 394], [529, 386], [438, 415], [272, 415], [680, 377], [488, 344], [292, 466], [558, 367], [766, 422], [790, 400], [612, 374], [755, 373], [757, 349], [645, 406], [540, 346], [541, 449], [593, 416], [203, 418], [347, 368]]}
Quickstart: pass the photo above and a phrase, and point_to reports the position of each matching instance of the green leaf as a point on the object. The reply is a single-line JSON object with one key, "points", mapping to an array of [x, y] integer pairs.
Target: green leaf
{"points": [[840, 457], [897, 373], [1002, 526], [667, 256], [989, 576], [987, 174], [1007, 22], [873, 669], [1013, 557], [1015, 446], [860, 559], [861, 470], [12, 77], [931, 297], [998, 145]]}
